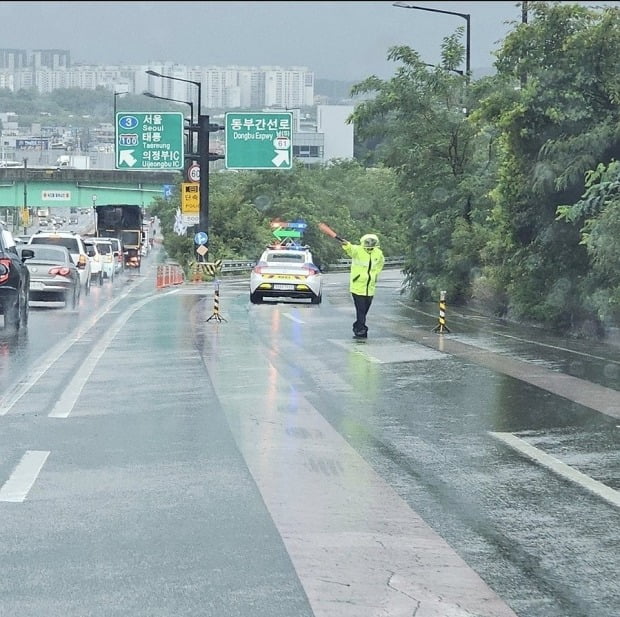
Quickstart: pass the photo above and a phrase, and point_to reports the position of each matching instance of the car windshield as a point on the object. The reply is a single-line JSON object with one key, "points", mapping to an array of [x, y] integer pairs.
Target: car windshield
{"points": [[104, 247], [286, 258], [70, 243], [48, 253]]}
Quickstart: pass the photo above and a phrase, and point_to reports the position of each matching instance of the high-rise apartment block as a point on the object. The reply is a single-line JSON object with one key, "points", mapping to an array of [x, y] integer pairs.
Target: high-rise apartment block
{"points": [[231, 87]]}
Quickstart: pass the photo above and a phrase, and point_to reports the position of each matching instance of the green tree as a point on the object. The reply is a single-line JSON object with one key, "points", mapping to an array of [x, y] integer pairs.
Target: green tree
{"points": [[599, 213], [555, 108], [421, 116]]}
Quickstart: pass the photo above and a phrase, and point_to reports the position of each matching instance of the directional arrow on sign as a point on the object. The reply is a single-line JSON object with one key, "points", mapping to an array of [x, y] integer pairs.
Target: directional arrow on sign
{"points": [[286, 233], [280, 157], [126, 156]]}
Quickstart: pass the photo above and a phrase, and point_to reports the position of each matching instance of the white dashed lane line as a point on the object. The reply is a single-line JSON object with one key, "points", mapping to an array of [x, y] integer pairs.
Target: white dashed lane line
{"points": [[17, 487]]}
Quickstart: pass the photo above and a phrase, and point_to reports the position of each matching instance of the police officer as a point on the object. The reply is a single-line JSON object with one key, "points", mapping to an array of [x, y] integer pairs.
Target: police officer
{"points": [[367, 261]]}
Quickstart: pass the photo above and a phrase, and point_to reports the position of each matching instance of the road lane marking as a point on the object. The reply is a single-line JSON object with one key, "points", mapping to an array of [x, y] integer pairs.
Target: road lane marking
{"points": [[389, 351], [51, 357], [558, 467], [520, 339], [17, 487], [353, 541], [65, 404]]}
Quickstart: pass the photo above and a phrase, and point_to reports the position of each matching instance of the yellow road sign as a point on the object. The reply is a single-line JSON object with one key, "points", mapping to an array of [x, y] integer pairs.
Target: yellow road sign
{"points": [[190, 198]]}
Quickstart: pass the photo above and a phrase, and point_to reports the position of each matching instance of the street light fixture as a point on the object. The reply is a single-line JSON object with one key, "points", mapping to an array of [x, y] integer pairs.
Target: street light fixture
{"points": [[191, 113], [465, 16], [165, 98], [187, 81]]}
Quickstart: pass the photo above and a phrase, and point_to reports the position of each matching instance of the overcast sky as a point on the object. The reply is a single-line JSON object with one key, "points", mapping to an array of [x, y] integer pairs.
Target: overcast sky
{"points": [[336, 40]]}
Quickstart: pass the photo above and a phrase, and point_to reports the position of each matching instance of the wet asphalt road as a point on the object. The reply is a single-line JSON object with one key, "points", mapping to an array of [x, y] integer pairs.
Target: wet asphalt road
{"points": [[161, 457]]}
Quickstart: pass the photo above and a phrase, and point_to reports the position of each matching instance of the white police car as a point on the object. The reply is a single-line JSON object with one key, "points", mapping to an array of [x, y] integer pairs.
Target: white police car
{"points": [[286, 272]]}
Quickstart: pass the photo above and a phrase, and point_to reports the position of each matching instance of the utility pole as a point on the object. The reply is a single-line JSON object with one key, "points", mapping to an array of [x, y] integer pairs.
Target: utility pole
{"points": [[25, 210], [203, 153], [204, 157]]}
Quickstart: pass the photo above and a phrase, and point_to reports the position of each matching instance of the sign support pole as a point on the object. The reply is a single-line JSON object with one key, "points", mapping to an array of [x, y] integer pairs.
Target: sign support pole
{"points": [[203, 153]]}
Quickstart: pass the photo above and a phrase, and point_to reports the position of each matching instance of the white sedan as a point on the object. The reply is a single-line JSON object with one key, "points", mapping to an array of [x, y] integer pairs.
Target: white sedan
{"points": [[286, 272]]}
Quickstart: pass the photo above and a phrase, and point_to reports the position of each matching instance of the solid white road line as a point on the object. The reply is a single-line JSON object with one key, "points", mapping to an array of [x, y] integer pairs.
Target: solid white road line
{"points": [[20, 482], [70, 395], [561, 469], [7, 402]]}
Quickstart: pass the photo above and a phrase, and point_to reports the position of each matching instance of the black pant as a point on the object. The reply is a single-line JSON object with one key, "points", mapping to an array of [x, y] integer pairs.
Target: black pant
{"points": [[362, 306]]}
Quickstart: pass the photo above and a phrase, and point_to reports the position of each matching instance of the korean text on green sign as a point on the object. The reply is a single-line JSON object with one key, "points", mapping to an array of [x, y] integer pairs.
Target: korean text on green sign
{"points": [[259, 140], [149, 140]]}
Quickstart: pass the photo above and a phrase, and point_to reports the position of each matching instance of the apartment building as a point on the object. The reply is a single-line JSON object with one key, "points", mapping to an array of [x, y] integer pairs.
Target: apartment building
{"points": [[230, 87]]}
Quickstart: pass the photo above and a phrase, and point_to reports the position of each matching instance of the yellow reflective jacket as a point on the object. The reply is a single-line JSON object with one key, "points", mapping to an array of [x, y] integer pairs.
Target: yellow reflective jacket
{"points": [[365, 268]]}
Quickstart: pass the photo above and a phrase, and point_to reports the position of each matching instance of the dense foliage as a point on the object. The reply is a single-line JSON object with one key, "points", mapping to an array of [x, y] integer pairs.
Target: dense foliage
{"points": [[347, 196], [495, 213], [503, 191]]}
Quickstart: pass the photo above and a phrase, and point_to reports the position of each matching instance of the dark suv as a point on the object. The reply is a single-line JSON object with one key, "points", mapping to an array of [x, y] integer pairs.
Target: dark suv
{"points": [[14, 282]]}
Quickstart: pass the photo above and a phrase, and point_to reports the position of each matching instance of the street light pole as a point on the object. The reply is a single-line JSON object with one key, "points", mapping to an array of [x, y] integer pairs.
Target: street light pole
{"points": [[465, 16], [114, 120], [25, 210], [203, 153], [191, 113]]}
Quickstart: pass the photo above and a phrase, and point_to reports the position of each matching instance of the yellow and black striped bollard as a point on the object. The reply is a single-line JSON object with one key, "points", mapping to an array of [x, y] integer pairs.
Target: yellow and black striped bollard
{"points": [[441, 326], [213, 268]]}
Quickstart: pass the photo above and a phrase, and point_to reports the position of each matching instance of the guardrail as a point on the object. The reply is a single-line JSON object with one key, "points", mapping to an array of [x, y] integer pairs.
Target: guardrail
{"points": [[345, 264], [231, 266]]}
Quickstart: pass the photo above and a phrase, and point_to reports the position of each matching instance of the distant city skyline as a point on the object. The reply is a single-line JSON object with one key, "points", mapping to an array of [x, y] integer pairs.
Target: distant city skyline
{"points": [[47, 70], [344, 41]]}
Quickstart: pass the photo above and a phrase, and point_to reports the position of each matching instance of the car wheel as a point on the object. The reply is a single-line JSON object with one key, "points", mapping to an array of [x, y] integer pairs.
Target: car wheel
{"points": [[255, 298], [75, 297], [100, 279], [12, 315], [316, 299], [26, 308], [87, 286]]}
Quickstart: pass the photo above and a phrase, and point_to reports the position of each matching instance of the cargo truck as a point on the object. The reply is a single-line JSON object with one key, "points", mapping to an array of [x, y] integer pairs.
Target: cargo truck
{"points": [[124, 222]]}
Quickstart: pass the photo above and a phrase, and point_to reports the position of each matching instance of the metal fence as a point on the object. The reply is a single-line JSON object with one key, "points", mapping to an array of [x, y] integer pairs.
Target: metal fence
{"points": [[230, 266], [345, 264]]}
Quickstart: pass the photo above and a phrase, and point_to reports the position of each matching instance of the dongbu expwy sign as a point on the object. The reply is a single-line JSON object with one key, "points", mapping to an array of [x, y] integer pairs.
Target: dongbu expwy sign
{"points": [[259, 140]]}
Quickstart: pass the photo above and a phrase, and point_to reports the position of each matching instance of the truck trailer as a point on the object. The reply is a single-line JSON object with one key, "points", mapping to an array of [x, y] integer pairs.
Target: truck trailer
{"points": [[124, 222]]}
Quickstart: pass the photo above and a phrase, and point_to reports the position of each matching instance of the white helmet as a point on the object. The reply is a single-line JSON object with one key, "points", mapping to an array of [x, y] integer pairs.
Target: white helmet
{"points": [[369, 241]]}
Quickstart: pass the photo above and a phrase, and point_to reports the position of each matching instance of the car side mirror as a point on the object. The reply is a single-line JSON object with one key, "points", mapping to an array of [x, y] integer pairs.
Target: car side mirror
{"points": [[27, 254]]}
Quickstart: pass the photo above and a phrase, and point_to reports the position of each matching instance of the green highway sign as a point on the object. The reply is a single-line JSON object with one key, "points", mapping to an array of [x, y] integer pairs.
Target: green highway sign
{"points": [[151, 140], [259, 140]]}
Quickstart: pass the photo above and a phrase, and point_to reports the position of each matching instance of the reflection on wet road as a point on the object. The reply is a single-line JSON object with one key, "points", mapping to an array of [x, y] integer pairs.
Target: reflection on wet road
{"points": [[270, 465]]}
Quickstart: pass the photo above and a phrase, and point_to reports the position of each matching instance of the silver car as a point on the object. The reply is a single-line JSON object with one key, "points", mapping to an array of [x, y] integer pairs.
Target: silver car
{"points": [[74, 244], [53, 275]]}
